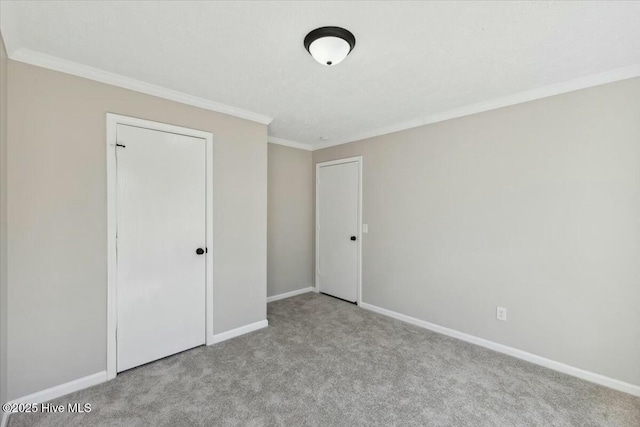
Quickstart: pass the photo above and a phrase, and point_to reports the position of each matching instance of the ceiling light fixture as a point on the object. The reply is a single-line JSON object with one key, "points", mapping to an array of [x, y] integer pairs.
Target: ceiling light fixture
{"points": [[329, 45]]}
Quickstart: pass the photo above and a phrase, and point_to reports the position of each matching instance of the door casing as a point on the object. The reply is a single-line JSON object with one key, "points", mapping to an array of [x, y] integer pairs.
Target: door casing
{"points": [[112, 121], [358, 160]]}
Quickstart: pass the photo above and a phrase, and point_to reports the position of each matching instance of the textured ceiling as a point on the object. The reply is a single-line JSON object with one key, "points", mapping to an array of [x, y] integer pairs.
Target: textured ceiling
{"points": [[411, 59]]}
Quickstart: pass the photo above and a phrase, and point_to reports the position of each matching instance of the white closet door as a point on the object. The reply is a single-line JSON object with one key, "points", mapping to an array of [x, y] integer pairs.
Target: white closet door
{"points": [[338, 230], [160, 225]]}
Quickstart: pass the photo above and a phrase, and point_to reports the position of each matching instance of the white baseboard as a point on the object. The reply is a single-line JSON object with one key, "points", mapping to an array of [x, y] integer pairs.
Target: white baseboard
{"points": [[520, 354], [100, 377], [290, 294], [223, 336], [58, 391]]}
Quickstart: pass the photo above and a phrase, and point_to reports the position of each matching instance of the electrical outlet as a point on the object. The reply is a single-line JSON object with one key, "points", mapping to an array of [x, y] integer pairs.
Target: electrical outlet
{"points": [[501, 313]]}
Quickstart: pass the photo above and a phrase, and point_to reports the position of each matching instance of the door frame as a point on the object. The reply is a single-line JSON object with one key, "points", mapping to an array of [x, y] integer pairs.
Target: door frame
{"points": [[358, 160], [112, 122]]}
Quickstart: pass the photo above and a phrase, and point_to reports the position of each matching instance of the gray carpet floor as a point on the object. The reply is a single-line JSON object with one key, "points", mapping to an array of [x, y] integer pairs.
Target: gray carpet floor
{"points": [[324, 362]]}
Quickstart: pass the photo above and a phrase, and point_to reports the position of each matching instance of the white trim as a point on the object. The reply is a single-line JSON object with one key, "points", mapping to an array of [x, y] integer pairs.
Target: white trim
{"points": [[356, 159], [63, 389], [58, 64], [395, 127], [520, 354], [58, 391], [288, 143], [113, 120], [289, 294], [209, 242], [223, 336], [493, 104], [39, 59]]}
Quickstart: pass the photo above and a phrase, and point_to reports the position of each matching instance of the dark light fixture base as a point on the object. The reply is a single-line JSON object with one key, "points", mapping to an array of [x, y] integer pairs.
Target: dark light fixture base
{"points": [[318, 33]]}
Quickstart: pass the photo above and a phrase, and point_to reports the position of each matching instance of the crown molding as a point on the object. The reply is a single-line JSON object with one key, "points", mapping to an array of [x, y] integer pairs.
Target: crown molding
{"points": [[493, 104], [57, 64], [288, 143], [396, 127]]}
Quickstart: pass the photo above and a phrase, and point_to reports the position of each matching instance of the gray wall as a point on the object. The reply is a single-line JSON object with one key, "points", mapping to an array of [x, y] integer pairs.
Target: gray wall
{"points": [[57, 220], [533, 207], [3, 222], [290, 220]]}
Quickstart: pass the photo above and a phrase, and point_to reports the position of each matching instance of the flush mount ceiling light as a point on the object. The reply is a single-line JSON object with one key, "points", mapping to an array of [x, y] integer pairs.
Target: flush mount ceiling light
{"points": [[329, 45]]}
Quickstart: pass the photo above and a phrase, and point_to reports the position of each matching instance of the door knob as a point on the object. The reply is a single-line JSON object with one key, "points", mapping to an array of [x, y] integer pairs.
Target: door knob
{"points": [[353, 238], [199, 251]]}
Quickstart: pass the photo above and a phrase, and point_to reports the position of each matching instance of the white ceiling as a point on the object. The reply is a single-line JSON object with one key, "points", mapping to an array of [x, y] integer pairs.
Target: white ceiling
{"points": [[412, 60]]}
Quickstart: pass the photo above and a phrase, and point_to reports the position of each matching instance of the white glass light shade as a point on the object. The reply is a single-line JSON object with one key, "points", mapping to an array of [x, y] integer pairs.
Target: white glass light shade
{"points": [[329, 50]]}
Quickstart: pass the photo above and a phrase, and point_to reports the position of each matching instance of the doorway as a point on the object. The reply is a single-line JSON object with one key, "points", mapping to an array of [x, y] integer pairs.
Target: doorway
{"points": [[338, 228], [160, 241]]}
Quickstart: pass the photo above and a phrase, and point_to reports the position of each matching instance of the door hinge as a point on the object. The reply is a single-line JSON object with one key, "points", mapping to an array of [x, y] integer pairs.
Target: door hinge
{"points": [[120, 145]]}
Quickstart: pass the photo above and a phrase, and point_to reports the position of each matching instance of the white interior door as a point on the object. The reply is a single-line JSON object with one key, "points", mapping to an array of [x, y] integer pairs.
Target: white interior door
{"points": [[338, 222], [160, 225]]}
